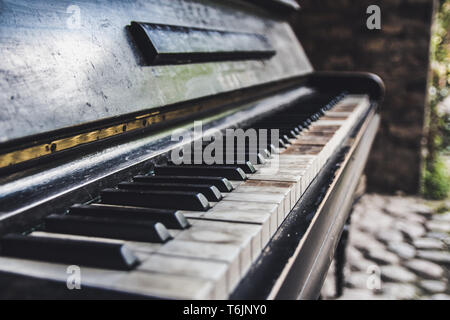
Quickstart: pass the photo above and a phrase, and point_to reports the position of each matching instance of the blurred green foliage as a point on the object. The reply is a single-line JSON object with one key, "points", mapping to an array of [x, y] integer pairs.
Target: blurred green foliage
{"points": [[436, 182], [436, 178]]}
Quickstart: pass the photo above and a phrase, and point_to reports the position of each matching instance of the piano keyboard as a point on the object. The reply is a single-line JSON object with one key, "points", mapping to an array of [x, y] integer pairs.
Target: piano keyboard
{"points": [[188, 231]]}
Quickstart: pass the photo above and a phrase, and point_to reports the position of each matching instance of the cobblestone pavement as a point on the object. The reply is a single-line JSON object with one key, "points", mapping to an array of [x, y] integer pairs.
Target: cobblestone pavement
{"points": [[398, 249]]}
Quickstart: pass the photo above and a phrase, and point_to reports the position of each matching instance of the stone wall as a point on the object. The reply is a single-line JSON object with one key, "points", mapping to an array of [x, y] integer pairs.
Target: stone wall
{"points": [[335, 37]]}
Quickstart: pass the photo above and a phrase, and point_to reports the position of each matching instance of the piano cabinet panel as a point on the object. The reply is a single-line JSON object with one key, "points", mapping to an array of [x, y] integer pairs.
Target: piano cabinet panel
{"points": [[67, 63]]}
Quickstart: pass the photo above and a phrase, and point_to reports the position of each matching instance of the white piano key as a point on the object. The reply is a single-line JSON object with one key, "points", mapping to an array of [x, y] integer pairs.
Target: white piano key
{"points": [[270, 208], [336, 113], [260, 218], [228, 253], [304, 180], [261, 187], [278, 199], [194, 214], [283, 159], [314, 140], [245, 236], [322, 122], [310, 163], [285, 177], [151, 284], [190, 268], [323, 129], [307, 171], [161, 285]]}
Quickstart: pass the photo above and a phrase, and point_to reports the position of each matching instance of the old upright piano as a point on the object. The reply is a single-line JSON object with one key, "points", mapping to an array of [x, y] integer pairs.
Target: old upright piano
{"points": [[92, 93]]}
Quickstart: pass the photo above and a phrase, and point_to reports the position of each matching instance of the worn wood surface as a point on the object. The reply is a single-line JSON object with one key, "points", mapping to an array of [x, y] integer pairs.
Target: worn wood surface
{"points": [[55, 74]]}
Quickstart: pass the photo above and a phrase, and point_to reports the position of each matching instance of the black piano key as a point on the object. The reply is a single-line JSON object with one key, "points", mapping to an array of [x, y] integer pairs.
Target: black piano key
{"points": [[290, 119], [277, 125], [219, 182], [273, 148], [260, 159], [250, 157], [123, 229], [172, 219], [209, 191], [78, 252], [246, 166], [231, 172], [182, 200], [289, 130], [290, 134], [260, 147], [285, 139], [282, 143], [265, 152]]}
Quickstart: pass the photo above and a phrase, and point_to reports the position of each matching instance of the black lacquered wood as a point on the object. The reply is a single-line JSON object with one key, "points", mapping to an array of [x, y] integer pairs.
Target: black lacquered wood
{"points": [[229, 172], [282, 6], [169, 44], [182, 200], [223, 184], [114, 228], [104, 55], [67, 251], [209, 191], [172, 219]]}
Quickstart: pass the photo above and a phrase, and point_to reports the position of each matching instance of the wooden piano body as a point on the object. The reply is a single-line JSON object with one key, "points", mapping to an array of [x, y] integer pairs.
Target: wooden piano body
{"points": [[90, 99]]}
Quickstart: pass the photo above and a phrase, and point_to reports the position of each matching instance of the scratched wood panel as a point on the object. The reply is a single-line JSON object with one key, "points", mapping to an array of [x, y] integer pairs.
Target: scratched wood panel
{"points": [[66, 63]]}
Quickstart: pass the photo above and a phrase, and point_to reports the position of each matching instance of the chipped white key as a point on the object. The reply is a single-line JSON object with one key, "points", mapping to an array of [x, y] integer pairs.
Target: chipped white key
{"points": [[235, 184], [215, 271], [281, 177]]}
